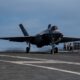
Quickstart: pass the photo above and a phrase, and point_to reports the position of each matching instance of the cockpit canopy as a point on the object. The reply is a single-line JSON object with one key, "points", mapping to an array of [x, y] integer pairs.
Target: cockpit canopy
{"points": [[53, 28]]}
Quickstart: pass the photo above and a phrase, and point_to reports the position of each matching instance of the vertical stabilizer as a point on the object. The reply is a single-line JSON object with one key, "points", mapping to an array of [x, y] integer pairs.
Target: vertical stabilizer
{"points": [[23, 30]]}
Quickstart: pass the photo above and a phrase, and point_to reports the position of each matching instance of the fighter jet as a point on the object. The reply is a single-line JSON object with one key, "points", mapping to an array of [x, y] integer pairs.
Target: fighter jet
{"points": [[51, 36]]}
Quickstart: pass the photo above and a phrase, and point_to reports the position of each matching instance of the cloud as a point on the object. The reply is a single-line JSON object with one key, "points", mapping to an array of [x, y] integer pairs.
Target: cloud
{"points": [[35, 6], [37, 14]]}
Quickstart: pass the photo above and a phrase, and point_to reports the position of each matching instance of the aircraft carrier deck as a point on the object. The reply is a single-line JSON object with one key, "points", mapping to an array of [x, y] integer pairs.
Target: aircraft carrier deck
{"points": [[40, 66]]}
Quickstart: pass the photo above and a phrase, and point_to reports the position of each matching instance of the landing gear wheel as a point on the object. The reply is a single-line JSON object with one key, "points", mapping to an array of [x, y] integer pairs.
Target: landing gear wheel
{"points": [[52, 51], [27, 50], [55, 50]]}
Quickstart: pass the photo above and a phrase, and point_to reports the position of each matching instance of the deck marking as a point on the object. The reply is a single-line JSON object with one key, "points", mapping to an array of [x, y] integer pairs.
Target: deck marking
{"points": [[22, 57], [43, 60], [44, 67]]}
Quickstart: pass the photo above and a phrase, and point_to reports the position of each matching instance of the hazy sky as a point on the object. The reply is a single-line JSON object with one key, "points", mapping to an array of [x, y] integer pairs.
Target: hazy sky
{"points": [[35, 16]]}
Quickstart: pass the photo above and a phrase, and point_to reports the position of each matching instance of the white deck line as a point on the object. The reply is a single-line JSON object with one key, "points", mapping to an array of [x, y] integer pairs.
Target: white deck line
{"points": [[44, 67]]}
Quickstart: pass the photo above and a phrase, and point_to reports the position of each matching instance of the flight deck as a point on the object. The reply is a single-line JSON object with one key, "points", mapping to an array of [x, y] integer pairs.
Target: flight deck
{"points": [[40, 66]]}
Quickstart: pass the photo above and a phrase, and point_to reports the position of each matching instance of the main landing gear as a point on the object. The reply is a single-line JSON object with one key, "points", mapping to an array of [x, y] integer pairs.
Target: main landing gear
{"points": [[28, 48], [54, 49]]}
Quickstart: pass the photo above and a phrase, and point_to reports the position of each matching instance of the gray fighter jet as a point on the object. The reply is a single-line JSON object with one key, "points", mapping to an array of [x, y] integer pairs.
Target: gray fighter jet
{"points": [[51, 36]]}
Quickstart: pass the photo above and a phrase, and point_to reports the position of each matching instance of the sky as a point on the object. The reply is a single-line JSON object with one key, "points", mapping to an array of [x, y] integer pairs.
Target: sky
{"points": [[35, 15]]}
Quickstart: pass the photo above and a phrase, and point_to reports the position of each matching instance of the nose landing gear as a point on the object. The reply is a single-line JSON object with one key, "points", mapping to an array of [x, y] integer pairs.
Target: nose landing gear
{"points": [[54, 49]]}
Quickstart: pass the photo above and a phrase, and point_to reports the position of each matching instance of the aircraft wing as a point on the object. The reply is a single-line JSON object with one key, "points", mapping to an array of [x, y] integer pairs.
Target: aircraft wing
{"points": [[19, 39], [69, 39]]}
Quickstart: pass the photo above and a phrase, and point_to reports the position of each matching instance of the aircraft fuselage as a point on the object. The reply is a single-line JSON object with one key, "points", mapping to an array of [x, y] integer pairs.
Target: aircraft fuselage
{"points": [[46, 39]]}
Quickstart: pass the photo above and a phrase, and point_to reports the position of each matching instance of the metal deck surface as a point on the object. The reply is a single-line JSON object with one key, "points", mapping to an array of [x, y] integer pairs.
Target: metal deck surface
{"points": [[40, 66]]}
